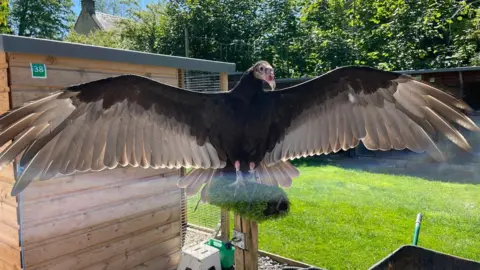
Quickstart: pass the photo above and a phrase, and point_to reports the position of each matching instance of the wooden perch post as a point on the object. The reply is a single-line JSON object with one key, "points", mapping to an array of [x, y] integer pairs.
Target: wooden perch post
{"points": [[225, 214], [247, 258]]}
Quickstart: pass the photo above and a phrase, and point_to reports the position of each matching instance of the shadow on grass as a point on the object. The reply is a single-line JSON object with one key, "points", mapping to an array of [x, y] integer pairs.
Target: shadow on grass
{"points": [[415, 166], [460, 167]]}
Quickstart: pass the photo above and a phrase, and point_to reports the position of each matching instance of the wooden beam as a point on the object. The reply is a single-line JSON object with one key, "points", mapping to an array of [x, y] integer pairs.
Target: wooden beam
{"points": [[181, 78], [225, 227], [239, 253], [224, 81], [247, 259]]}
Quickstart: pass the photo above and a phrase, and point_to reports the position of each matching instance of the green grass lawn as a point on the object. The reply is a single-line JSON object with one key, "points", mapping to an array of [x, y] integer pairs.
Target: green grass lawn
{"points": [[348, 219]]}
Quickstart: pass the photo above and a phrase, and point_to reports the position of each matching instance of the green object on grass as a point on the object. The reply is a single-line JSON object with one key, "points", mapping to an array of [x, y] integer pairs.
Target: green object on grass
{"points": [[269, 202], [418, 222], [227, 252]]}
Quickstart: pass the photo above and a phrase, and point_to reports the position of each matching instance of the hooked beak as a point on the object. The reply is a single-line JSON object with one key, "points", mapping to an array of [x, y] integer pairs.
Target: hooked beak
{"points": [[270, 79]]}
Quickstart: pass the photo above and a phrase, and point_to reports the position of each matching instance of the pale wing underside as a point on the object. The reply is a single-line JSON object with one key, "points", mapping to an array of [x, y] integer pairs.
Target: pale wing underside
{"points": [[63, 139], [406, 115]]}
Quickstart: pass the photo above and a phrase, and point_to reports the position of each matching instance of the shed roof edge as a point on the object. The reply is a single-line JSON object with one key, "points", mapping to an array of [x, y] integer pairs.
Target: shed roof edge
{"points": [[18, 44]]}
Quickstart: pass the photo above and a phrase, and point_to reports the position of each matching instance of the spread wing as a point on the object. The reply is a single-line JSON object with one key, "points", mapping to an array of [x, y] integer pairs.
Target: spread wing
{"points": [[384, 110], [120, 121]]}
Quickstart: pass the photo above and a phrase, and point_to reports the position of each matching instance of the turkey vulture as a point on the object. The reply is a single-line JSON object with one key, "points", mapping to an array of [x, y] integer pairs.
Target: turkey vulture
{"points": [[130, 120]]}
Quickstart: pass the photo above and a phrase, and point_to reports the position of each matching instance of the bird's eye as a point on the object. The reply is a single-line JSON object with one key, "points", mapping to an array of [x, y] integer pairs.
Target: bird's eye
{"points": [[261, 68]]}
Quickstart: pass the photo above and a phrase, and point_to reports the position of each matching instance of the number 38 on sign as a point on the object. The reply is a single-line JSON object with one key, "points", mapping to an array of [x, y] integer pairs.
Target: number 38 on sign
{"points": [[38, 70]]}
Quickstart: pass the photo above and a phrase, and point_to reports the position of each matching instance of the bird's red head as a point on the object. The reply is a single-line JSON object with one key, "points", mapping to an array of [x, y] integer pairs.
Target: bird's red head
{"points": [[262, 70]]}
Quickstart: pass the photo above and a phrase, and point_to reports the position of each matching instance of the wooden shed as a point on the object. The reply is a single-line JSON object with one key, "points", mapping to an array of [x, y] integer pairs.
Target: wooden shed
{"points": [[116, 219]]}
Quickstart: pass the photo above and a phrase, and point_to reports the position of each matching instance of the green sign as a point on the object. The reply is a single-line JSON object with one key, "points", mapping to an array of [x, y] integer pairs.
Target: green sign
{"points": [[38, 70]]}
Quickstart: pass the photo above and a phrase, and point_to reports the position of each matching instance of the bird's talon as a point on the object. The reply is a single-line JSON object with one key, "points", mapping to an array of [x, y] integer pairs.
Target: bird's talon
{"points": [[239, 182], [252, 177]]}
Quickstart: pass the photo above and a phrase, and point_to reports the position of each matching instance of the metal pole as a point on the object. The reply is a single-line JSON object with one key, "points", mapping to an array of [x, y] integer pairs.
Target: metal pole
{"points": [[186, 42], [418, 222], [187, 48]]}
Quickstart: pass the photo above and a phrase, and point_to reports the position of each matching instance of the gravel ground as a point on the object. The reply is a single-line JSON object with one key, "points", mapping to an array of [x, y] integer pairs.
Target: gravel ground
{"points": [[194, 237], [265, 263]]}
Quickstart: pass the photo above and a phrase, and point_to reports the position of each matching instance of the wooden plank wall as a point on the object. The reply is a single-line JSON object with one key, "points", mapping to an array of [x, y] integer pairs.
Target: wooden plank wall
{"points": [[115, 219], [63, 71], [9, 225], [119, 219], [448, 81]]}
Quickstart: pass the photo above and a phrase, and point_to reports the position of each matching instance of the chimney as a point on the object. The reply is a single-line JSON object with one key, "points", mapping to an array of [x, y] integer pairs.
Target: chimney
{"points": [[88, 6]]}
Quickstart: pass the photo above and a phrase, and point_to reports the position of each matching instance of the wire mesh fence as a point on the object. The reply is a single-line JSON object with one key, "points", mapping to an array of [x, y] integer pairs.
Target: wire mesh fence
{"points": [[201, 81]]}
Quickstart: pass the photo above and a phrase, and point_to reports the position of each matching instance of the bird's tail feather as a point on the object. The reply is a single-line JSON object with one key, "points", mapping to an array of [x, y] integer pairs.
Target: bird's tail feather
{"points": [[195, 179], [279, 174]]}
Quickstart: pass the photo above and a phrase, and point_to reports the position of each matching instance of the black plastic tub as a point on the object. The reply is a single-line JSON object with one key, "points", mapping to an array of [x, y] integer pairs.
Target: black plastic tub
{"points": [[410, 257]]}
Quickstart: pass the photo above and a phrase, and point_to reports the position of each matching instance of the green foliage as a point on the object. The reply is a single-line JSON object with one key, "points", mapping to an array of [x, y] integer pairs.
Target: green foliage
{"points": [[4, 12], [49, 19], [145, 29], [230, 30], [390, 34], [111, 39], [114, 7], [307, 38]]}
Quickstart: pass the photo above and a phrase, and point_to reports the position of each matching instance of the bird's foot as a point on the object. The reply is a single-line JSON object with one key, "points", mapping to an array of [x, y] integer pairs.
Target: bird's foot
{"points": [[254, 176], [239, 181]]}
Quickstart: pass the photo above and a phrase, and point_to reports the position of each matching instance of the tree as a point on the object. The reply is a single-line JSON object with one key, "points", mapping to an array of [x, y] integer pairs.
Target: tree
{"points": [[110, 39], [4, 13], [305, 37], [282, 38], [230, 30], [145, 28], [424, 34], [114, 7], [49, 19], [389, 34]]}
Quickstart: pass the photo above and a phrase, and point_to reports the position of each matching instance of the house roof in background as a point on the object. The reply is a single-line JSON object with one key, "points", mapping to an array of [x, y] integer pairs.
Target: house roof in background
{"points": [[106, 21]]}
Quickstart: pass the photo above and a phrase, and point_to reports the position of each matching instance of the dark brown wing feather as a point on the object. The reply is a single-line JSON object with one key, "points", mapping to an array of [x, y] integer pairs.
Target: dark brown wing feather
{"points": [[383, 109], [120, 121]]}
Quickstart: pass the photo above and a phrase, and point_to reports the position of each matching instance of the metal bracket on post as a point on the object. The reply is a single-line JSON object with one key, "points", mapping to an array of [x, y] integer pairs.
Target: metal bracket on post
{"points": [[238, 239]]}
